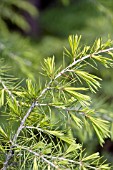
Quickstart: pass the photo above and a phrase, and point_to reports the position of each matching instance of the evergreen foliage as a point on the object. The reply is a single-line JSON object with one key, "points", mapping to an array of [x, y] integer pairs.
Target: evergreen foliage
{"points": [[21, 54], [43, 120]]}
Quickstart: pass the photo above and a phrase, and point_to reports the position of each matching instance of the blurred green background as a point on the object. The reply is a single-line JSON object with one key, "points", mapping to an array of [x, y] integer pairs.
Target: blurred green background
{"points": [[31, 30]]}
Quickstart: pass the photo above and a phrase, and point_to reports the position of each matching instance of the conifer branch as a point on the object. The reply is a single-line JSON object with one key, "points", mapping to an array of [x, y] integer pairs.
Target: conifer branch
{"points": [[7, 90], [44, 90], [35, 103], [80, 163], [58, 107], [43, 157], [39, 155], [82, 59], [33, 127], [10, 154]]}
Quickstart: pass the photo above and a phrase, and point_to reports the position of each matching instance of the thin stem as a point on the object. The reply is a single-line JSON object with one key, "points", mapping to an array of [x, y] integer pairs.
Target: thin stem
{"points": [[39, 155], [71, 161], [33, 127], [10, 154], [7, 90], [58, 107], [44, 90], [82, 59], [80, 163]]}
